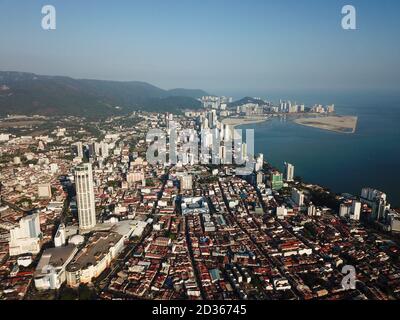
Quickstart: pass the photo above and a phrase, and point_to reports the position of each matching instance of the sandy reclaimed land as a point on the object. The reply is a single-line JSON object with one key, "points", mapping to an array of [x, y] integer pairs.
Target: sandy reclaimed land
{"points": [[234, 122], [341, 124]]}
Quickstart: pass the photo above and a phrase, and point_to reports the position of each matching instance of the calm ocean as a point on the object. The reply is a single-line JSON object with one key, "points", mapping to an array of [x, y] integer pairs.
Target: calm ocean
{"points": [[341, 162]]}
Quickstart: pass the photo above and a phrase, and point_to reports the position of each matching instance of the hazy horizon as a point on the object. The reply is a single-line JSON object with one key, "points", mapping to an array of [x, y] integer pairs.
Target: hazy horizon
{"points": [[222, 47]]}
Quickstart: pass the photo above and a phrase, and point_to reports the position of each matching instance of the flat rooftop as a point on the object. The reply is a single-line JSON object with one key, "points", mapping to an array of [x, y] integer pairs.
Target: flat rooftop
{"points": [[55, 257], [97, 246]]}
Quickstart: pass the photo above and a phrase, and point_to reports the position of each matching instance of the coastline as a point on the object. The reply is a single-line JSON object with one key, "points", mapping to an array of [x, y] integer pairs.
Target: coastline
{"points": [[339, 124], [235, 122]]}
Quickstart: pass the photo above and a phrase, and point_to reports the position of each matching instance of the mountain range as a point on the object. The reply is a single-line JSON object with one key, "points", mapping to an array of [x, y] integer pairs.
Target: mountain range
{"points": [[29, 93]]}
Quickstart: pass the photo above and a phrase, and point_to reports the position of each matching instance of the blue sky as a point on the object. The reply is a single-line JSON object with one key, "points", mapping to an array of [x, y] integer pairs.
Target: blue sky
{"points": [[217, 45]]}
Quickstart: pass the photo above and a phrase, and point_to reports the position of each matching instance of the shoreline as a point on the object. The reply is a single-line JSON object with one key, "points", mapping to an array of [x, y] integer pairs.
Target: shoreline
{"points": [[235, 122], [338, 124]]}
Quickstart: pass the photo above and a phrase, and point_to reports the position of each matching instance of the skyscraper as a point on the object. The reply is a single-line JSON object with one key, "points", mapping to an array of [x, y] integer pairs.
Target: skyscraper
{"points": [[212, 119], [85, 196], [259, 162], [298, 197], [104, 148], [376, 200], [227, 132], [289, 171], [276, 181], [259, 178], [355, 210]]}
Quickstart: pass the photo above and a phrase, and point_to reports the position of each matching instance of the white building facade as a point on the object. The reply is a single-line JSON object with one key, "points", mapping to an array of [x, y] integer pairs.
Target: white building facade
{"points": [[85, 196]]}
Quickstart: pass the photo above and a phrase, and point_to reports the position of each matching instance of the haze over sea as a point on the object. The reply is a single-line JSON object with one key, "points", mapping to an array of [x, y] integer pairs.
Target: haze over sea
{"points": [[342, 162]]}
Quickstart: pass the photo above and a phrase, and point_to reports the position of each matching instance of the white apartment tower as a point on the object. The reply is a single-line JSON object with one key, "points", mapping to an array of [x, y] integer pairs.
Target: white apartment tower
{"points": [[85, 196], [29, 227], [79, 149], [355, 210], [289, 172], [26, 237], [259, 162], [311, 210], [60, 237]]}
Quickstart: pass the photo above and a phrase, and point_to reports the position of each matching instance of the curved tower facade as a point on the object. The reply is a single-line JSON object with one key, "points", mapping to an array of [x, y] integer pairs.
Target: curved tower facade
{"points": [[85, 196]]}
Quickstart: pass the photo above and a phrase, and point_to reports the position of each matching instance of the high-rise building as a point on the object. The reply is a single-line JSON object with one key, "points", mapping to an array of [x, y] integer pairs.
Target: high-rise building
{"points": [[244, 151], [350, 209], [222, 154], [97, 148], [289, 172], [344, 210], [228, 132], [212, 119], [79, 149], [276, 181], [104, 148], [205, 124], [298, 197], [85, 196], [259, 162], [355, 210], [377, 201], [259, 178], [60, 237], [25, 237], [29, 227], [311, 210]]}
